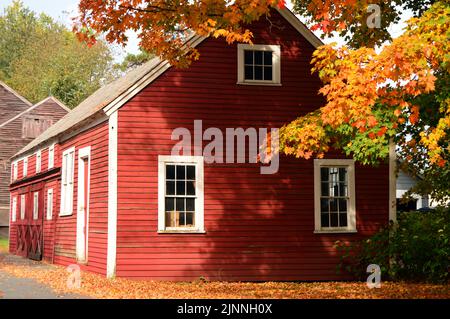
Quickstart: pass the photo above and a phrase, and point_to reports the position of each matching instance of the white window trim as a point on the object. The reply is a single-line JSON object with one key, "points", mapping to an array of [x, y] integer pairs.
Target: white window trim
{"points": [[35, 205], [351, 213], [38, 161], [69, 211], [14, 209], [82, 239], [15, 170], [22, 206], [50, 204], [25, 167], [51, 156], [199, 189], [276, 64]]}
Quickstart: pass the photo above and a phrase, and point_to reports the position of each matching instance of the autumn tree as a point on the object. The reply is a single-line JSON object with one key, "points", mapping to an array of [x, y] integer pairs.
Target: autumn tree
{"points": [[132, 61], [372, 96], [40, 57]]}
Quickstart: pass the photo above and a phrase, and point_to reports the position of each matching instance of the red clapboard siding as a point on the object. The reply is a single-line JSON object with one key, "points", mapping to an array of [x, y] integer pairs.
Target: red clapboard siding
{"points": [[65, 230], [259, 227]]}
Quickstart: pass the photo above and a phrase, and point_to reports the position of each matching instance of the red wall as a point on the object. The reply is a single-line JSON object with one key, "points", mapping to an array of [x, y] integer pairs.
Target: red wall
{"points": [[65, 230], [259, 227], [60, 232]]}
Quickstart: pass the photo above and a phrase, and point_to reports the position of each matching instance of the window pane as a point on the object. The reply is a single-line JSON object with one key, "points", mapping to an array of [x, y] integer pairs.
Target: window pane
{"points": [[334, 190], [249, 72], [325, 189], [248, 57], [258, 72], [182, 219], [324, 171], [181, 189], [342, 205], [190, 188], [180, 204], [181, 172], [190, 172], [342, 174], [258, 57], [170, 172], [190, 219], [170, 204], [343, 190], [334, 222], [190, 204], [343, 220], [324, 220], [268, 73], [268, 57], [172, 219], [170, 188], [324, 206], [333, 205]]}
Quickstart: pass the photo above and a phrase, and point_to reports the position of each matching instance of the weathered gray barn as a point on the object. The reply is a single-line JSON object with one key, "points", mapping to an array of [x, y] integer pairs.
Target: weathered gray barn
{"points": [[20, 123]]}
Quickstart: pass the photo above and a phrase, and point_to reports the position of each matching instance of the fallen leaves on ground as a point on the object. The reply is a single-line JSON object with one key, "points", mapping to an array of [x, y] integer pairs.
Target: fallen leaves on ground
{"points": [[97, 286]]}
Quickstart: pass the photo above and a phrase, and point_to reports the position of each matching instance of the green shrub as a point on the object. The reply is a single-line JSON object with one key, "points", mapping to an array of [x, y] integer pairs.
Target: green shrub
{"points": [[416, 248]]}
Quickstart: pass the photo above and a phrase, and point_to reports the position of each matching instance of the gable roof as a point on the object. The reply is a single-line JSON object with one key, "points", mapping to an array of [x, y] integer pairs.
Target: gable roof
{"points": [[14, 92], [49, 99], [11, 107], [112, 96]]}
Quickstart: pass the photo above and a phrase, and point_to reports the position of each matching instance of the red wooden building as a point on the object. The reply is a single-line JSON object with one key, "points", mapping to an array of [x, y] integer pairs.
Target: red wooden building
{"points": [[110, 196]]}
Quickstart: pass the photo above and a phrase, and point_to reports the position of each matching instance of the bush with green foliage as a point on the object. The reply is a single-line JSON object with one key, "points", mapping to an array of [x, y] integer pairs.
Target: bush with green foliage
{"points": [[416, 248]]}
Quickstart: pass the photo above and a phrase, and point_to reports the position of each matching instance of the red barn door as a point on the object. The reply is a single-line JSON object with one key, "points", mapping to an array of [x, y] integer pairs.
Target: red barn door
{"points": [[30, 223]]}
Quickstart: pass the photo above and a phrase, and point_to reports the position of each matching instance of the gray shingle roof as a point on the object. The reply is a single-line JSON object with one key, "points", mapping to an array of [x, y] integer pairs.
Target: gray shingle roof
{"points": [[93, 104]]}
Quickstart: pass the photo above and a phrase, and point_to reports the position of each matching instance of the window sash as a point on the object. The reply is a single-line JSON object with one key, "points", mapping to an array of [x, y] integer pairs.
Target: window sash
{"points": [[25, 167], [51, 157], [14, 209], [338, 220], [176, 196], [49, 204], [36, 205], [163, 194], [22, 207], [38, 162], [67, 182], [274, 67]]}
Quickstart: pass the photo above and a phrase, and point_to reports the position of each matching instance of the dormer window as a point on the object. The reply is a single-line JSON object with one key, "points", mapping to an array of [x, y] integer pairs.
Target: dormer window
{"points": [[259, 64]]}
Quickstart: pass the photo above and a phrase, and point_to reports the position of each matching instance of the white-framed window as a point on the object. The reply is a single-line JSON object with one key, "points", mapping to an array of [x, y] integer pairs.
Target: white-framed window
{"points": [[14, 209], [180, 194], [259, 64], [36, 205], [67, 179], [15, 169], [51, 156], [334, 191], [25, 166], [38, 161], [22, 206], [50, 204]]}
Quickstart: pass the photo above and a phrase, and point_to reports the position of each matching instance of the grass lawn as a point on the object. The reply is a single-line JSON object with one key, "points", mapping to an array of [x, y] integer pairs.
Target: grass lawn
{"points": [[97, 286], [4, 244]]}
